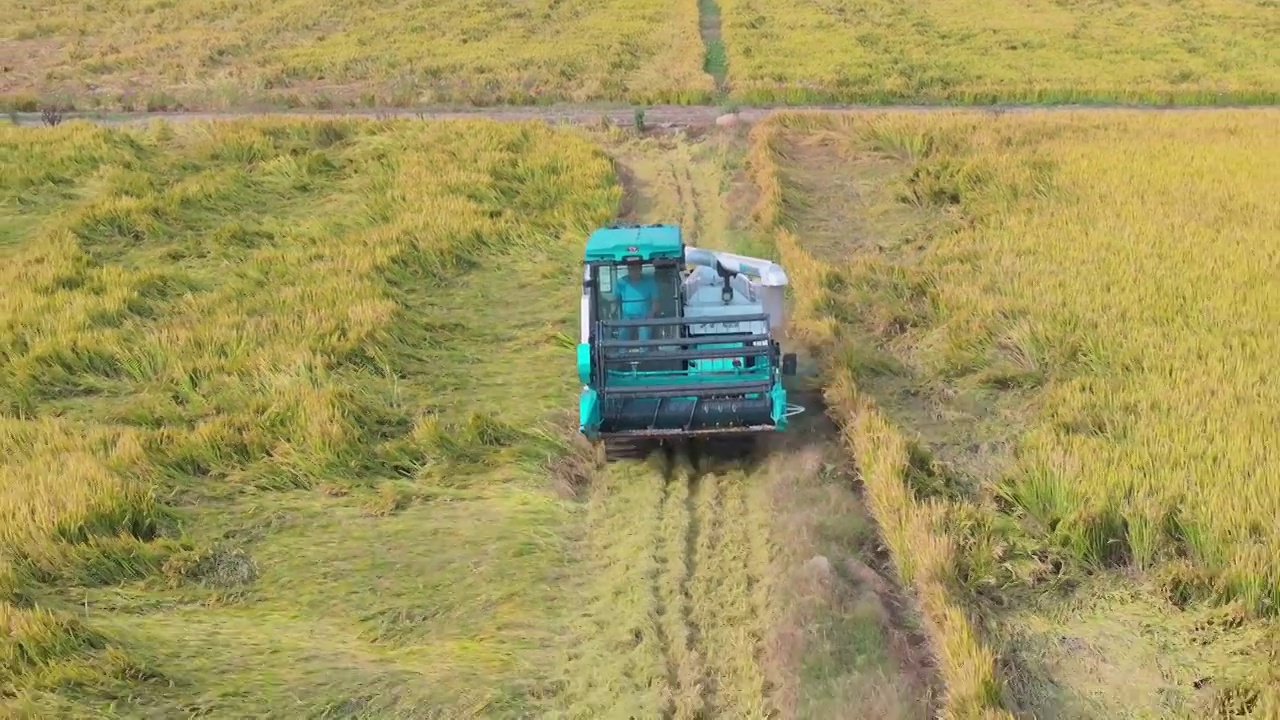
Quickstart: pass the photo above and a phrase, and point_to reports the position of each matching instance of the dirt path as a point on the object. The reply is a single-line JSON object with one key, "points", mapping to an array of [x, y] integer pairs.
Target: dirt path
{"points": [[738, 588], [661, 116]]}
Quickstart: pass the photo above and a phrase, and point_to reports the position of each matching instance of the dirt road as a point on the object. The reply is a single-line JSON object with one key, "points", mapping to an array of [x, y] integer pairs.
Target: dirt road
{"points": [[661, 116]]}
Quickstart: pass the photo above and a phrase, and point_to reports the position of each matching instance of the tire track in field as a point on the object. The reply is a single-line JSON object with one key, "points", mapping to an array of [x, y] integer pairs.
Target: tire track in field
{"points": [[638, 652], [686, 620], [703, 582], [732, 564], [676, 624], [695, 681], [685, 652], [698, 681], [617, 664], [687, 197], [670, 635], [727, 550]]}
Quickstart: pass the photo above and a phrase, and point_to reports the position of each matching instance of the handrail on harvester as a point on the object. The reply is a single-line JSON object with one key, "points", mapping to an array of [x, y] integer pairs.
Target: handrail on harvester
{"points": [[689, 340], [718, 320], [742, 387]]}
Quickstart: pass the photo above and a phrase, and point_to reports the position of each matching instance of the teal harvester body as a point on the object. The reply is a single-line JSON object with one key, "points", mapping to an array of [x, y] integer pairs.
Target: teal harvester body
{"points": [[668, 353]]}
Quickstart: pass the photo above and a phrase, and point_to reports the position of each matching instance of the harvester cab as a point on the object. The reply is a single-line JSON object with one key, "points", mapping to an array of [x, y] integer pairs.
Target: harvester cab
{"points": [[678, 342]]}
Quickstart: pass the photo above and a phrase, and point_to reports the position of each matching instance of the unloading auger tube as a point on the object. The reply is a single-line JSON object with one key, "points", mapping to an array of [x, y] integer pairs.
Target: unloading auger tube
{"points": [[765, 272], [761, 274], [703, 362]]}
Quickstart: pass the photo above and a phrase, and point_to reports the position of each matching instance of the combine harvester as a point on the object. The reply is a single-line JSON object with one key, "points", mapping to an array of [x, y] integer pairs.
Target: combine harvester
{"points": [[671, 356]]}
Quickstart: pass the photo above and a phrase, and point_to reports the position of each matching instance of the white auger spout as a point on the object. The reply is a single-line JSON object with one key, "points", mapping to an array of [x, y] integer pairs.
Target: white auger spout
{"points": [[763, 281], [766, 272]]}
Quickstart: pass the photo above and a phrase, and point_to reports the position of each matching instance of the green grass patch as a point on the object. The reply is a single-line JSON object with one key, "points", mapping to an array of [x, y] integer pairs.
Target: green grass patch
{"points": [[715, 61]]}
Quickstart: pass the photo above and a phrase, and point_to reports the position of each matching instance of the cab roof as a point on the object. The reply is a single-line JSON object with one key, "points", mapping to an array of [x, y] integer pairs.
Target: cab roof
{"points": [[617, 242]]}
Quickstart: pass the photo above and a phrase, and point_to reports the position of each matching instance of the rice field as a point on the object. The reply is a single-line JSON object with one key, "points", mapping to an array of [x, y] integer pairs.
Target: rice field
{"points": [[1037, 51], [186, 54], [1051, 339], [232, 360], [285, 429]]}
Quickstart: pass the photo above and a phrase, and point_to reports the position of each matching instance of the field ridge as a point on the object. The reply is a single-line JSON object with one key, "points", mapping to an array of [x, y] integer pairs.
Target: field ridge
{"points": [[661, 116]]}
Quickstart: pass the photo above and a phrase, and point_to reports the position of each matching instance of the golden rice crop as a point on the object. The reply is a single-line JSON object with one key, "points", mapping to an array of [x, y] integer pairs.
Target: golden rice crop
{"points": [[1099, 283], [1220, 51], [1134, 255], [187, 53], [198, 313]]}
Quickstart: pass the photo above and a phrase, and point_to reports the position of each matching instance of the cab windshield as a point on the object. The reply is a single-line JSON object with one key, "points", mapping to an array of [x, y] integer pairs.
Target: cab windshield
{"points": [[635, 291]]}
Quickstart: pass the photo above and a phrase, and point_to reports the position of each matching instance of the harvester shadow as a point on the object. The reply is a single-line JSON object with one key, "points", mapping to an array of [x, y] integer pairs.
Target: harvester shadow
{"points": [[696, 457], [692, 459]]}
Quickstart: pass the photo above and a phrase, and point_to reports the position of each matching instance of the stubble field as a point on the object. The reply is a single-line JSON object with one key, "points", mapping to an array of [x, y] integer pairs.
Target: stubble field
{"points": [[1050, 339], [286, 432]]}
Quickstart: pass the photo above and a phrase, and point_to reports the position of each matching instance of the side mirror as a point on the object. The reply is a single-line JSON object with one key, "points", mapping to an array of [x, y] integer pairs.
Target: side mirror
{"points": [[789, 364]]}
